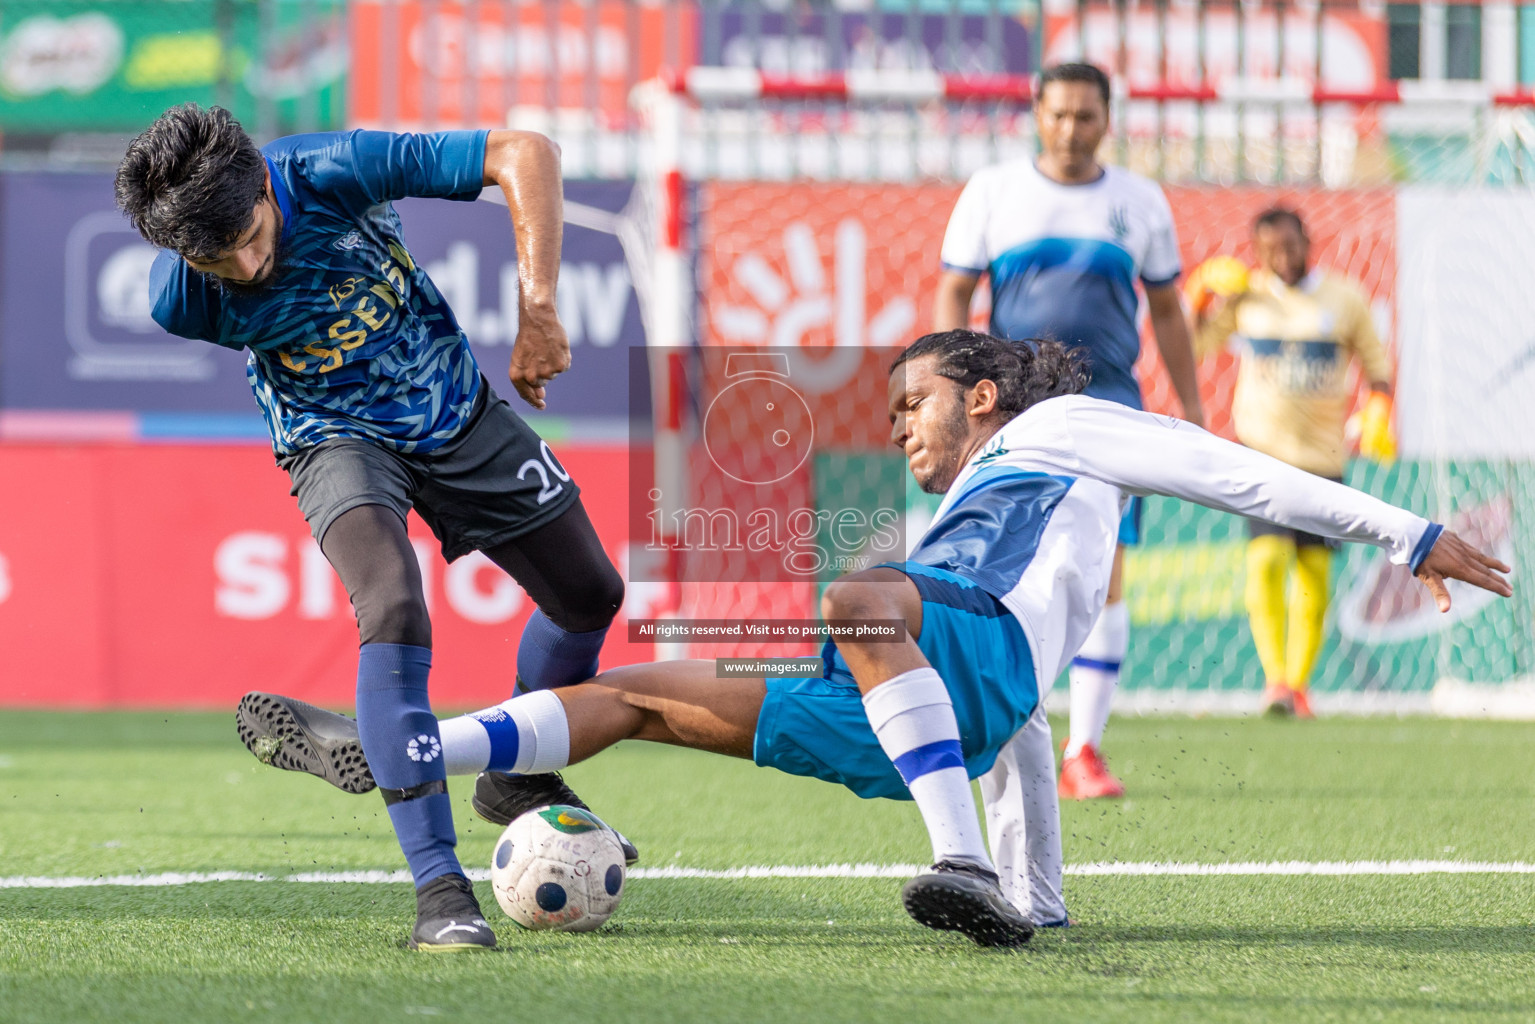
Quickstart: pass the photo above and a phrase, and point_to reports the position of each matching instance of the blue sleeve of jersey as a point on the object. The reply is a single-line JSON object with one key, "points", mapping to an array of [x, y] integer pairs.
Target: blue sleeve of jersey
{"points": [[434, 165], [181, 301]]}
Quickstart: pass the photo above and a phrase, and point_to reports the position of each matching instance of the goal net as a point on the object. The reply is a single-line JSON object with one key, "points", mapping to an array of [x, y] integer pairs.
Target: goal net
{"points": [[808, 214]]}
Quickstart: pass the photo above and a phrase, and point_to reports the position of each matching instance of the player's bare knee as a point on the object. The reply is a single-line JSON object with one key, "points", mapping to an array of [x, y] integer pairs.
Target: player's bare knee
{"points": [[873, 594]]}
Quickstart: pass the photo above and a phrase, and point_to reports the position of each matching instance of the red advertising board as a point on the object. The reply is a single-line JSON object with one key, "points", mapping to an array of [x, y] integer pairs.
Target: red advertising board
{"points": [[183, 576], [466, 65]]}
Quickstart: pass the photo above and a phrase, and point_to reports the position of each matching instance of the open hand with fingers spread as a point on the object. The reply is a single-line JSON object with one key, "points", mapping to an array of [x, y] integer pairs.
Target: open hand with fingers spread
{"points": [[1452, 558]]}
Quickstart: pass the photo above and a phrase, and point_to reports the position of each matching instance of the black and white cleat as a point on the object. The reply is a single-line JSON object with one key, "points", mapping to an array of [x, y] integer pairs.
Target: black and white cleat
{"points": [[962, 897], [448, 918]]}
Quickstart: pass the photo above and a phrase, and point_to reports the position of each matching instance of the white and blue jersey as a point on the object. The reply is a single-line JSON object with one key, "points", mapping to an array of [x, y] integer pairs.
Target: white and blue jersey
{"points": [[1063, 261], [352, 339]]}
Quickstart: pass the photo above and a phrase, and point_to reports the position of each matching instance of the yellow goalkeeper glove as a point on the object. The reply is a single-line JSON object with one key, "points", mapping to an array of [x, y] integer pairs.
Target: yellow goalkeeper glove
{"points": [[1373, 421], [1225, 276]]}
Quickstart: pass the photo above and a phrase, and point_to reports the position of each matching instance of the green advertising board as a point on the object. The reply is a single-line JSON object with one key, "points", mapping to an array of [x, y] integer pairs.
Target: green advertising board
{"points": [[75, 65]]}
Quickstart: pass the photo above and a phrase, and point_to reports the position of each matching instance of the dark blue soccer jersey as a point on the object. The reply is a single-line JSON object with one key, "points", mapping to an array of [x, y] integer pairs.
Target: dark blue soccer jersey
{"points": [[352, 339]]}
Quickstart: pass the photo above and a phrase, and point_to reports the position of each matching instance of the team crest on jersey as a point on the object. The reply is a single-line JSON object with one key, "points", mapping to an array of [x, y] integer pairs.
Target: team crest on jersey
{"points": [[350, 240], [994, 450], [1119, 222]]}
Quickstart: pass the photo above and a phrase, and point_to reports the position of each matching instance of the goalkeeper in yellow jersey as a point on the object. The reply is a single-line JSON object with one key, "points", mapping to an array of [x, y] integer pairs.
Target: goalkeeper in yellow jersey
{"points": [[1298, 327]]}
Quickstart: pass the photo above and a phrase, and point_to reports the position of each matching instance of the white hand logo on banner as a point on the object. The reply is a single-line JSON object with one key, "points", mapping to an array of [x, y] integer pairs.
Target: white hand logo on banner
{"points": [[787, 311], [5, 579]]}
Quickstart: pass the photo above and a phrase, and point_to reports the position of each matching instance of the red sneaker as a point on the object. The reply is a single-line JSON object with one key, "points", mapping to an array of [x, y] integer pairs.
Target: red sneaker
{"points": [[1278, 700], [1302, 704], [1086, 777]]}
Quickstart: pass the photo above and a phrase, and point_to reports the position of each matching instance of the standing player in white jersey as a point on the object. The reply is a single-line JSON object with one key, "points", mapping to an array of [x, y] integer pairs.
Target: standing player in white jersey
{"points": [[1002, 589], [1064, 239]]}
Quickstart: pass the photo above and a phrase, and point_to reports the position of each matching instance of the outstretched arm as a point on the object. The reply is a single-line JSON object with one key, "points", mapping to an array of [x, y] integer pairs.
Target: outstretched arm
{"points": [[1146, 454], [526, 166]]}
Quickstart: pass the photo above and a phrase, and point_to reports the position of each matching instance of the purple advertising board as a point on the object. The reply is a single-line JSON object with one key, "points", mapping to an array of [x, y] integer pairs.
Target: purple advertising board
{"points": [[75, 332], [76, 336], [813, 41]]}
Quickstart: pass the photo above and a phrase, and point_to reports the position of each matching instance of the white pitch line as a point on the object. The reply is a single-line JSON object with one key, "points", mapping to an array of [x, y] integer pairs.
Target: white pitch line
{"points": [[1111, 868]]}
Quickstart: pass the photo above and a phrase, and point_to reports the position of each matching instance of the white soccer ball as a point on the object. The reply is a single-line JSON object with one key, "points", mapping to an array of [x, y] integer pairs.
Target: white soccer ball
{"points": [[558, 868]]}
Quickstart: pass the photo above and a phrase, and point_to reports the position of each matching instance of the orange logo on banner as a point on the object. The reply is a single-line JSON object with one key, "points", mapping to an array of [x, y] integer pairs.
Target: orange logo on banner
{"points": [[821, 264]]}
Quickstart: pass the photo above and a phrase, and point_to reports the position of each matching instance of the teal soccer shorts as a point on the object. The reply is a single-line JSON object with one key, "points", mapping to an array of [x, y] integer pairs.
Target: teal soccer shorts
{"points": [[817, 727]]}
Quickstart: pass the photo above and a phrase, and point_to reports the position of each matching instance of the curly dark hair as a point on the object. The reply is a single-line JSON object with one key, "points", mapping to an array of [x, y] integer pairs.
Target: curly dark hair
{"points": [[191, 180], [1025, 372]]}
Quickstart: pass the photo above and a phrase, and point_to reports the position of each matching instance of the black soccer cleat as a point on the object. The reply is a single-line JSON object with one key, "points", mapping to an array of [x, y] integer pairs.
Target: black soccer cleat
{"points": [[448, 918], [298, 737], [962, 897], [501, 797]]}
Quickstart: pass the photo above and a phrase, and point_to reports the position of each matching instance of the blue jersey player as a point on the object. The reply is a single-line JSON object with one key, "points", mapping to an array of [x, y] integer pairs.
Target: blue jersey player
{"points": [[1064, 240], [1000, 591], [376, 406]]}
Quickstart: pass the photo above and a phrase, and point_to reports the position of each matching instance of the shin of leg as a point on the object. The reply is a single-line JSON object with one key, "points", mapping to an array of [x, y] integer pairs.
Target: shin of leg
{"points": [[912, 716], [679, 703], [910, 710], [1095, 676], [1308, 612], [400, 737], [1268, 563], [1116, 592], [1023, 822]]}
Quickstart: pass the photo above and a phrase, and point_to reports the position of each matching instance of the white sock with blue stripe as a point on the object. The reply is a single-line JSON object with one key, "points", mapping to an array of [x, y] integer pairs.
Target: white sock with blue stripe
{"points": [[1095, 677], [526, 735], [914, 719]]}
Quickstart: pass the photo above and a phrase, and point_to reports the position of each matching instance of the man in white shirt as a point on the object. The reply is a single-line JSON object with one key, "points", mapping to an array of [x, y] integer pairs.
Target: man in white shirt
{"points": [[1064, 239]]}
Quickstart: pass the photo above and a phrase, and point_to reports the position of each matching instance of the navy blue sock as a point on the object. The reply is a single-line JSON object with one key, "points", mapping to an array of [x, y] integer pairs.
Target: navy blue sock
{"points": [[548, 656], [400, 738]]}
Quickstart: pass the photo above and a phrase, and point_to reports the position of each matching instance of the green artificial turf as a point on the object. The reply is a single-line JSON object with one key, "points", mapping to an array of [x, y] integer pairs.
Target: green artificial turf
{"points": [[93, 795]]}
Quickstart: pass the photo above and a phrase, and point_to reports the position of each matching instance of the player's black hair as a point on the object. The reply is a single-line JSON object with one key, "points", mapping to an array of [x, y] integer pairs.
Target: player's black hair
{"points": [[1274, 216], [1025, 372], [191, 180], [1091, 74]]}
